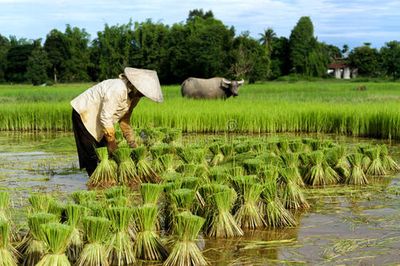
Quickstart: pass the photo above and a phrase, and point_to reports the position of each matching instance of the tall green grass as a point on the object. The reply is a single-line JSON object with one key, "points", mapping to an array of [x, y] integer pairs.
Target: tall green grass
{"points": [[326, 107]]}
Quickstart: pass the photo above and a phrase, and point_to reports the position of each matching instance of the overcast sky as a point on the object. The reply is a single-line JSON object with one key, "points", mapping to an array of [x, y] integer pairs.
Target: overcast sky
{"points": [[339, 22]]}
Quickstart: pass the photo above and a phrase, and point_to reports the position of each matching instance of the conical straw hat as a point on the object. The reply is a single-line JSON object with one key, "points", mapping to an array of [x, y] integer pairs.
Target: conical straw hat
{"points": [[146, 81]]}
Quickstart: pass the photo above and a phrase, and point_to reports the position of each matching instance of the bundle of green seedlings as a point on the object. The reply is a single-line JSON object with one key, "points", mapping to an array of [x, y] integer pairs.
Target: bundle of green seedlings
{"points": [[217, 155], [57, 237], [126, 167], [120, 250], [276, 215], [375, 167], [117, 197], [182, 199], [253, 166], [32, 246], [168, 163], [143, 167], [4, 206], [221, 223], [39, 202], [291, 192], [74, 214], [97, 232], [157, 152], [219, 174], [105, 174], [337, 158], [291, 160], [388, 163], [8, 254], [248, 214], [356, 175], [319, 172], [151, 193], [82, 197], [147, 245], [184, 251], [172, 136]]}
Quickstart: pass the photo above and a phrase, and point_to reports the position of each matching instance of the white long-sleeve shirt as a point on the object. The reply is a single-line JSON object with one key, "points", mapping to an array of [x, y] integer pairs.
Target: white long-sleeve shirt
{"points": [[103, 105]]}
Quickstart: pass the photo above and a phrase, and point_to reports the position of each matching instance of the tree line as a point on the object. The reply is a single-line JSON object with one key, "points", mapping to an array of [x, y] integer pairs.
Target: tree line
{"points": [[202, 46]]}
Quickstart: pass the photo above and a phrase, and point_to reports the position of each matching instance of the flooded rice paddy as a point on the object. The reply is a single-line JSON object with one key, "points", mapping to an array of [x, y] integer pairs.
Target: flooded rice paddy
{"points": [[345, 225]]}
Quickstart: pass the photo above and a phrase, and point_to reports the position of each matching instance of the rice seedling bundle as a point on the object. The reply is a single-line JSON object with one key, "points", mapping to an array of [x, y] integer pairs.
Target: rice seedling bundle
{"points": [[8, 254], [183, 199], [32, 247], [185, 252], [252, 166], [57, 237], [217, 155], [283, 146], [151, 193], [219, 174], [242, 147], [258, 147], [227, 150], [57, 208], [116, 192], [144, 169], [97, 231], [337, 158], [119, 201], [83, 196], [319, 173], [275, 213], [222, 223], [105, 174], [292, 194], [248, 214], [375, 167], [151, 136], [388, 163], [357, 175], [296, 145], [4, 206], [167, 161], [120, 250], [147, 245], [291, 160], [156, 153], [39, 202], [172, 135], [187, 169], [126, 167], [75, 213]]}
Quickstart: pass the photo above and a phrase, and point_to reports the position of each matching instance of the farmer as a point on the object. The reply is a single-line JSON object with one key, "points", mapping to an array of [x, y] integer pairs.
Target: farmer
{"points": [[96, 110]]}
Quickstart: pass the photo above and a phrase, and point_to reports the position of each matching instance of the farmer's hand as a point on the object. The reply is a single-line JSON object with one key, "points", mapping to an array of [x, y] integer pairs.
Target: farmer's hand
{"points": [[109, 134]]}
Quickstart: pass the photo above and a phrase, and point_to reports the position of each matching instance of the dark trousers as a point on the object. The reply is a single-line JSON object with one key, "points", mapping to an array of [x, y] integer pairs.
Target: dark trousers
{"points": [[86, 144]]}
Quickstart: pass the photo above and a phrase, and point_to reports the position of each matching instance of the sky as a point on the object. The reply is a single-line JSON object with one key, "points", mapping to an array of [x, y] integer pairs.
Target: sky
{"points": [[351, 22]]}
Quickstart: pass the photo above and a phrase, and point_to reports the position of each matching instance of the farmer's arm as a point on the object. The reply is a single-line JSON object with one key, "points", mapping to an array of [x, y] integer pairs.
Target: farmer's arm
{"points": [[109, 108], [126, 127]]}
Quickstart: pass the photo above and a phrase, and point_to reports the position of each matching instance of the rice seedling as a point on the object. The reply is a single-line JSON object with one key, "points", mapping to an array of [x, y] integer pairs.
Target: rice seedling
{"points": [[83, 196], [57, 208], [291, 160], [39, 202], [147, 245], [375, 167], [248, 214], [97, 231], [126, 167], [296, 145], [217, 155], [75, 213], [357, 175], [275, 213], [105, 174], [219, 174], [187, 169], [156, 153], [172, 136], [183, 199], [319, 172], [292, 194], [167, 161], [8, 254], [4, 206], [242, 147], [57, 237], [337, 158], [32, 247], [185, 252], [119, 201], [151, 193], [222, 223], [252, 166], [120, 244], [227, 150], [144, 169], [150, 136], [284, 146], [388, 163]]}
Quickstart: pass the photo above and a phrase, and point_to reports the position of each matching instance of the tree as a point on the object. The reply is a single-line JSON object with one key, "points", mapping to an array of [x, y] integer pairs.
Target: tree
{"points": [[17, 59], [199, 13], [280, 58], [365, 59], [390, 55], [306, 55], [56, 47], [4, 47], [266, 40], [37, 66]]}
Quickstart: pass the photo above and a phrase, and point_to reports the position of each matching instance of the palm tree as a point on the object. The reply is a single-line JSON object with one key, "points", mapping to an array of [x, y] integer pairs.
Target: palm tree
{"points": [[266, 41]]}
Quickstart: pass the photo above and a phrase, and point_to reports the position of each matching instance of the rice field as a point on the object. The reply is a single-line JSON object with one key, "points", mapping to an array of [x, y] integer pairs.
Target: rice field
{"points": [[304, 107]]}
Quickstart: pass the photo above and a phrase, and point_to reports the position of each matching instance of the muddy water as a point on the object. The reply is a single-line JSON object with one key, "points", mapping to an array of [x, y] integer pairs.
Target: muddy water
{"points": [[345, 226]]}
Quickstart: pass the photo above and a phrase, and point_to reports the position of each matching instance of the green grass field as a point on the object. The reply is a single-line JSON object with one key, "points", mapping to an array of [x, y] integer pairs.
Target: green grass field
{"points": [[325, 106]]}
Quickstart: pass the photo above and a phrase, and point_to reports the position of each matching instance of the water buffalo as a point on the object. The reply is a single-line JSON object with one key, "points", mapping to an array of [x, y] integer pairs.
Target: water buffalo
{"points": [[212, 88]]}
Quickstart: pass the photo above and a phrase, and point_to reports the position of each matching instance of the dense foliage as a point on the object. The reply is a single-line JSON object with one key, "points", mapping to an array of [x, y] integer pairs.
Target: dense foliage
{"points": [[202, 46]]}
